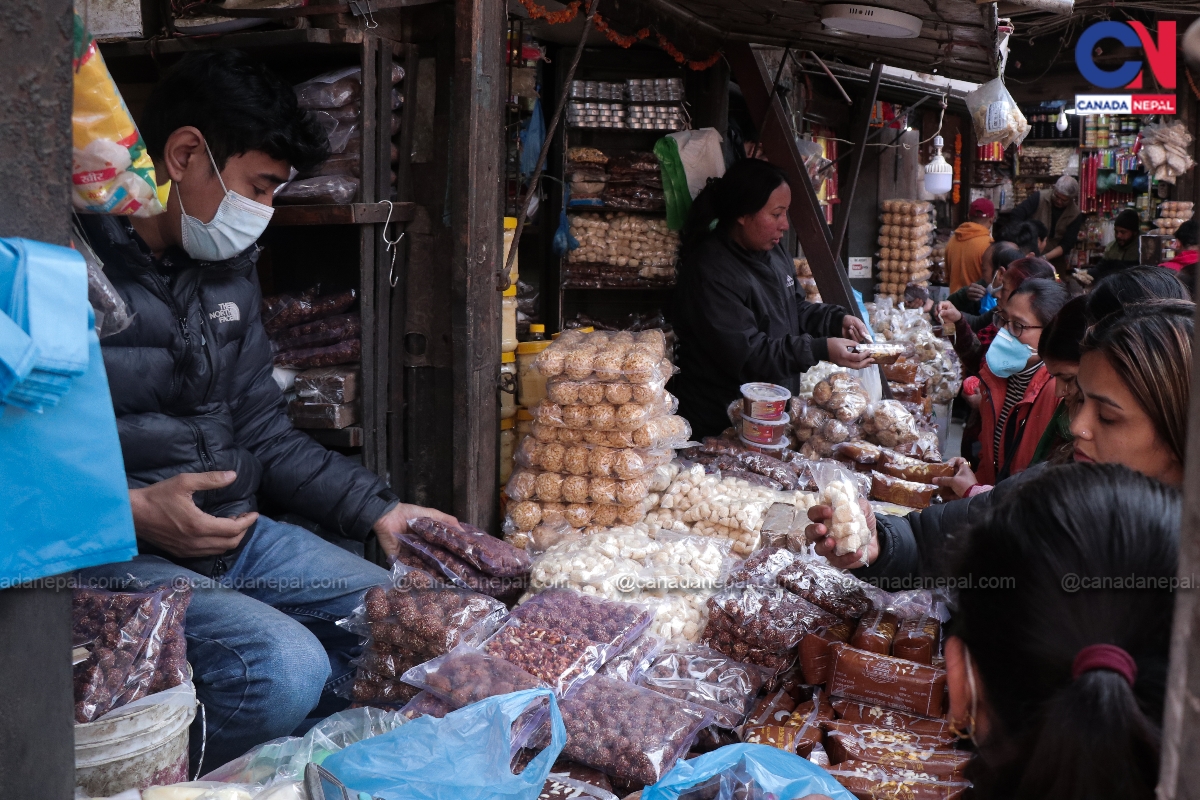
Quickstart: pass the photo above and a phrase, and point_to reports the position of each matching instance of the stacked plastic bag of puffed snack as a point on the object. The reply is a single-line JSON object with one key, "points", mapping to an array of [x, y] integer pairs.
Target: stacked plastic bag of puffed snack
{"points": [[602, 441]]}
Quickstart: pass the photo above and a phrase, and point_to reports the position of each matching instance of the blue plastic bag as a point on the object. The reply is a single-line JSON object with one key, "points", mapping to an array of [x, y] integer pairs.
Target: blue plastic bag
{"points": [[65, 502], [774, 772], [463, 756]]}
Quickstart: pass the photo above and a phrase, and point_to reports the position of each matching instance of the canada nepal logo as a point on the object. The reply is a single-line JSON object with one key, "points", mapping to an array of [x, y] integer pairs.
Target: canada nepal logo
{"points": [[1160, 55]]}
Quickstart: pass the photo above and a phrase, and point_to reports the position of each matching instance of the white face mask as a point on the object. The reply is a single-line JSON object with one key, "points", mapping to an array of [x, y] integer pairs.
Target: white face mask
{"points": [[238, 223]]}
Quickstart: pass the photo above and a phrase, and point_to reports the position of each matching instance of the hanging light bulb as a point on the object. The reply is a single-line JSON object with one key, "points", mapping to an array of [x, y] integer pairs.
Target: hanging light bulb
{"points": [[939, 176], [1061, 122]]}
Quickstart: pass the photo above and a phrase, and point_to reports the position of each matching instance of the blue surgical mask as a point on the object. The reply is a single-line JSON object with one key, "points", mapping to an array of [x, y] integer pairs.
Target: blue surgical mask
{"points": [[238, 223], [1007, 355]]}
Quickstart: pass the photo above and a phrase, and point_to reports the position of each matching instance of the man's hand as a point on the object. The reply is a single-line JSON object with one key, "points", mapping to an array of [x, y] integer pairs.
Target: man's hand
{"points": [[854, 328], [395, 523], [166, 516], [839, 353], [948, 312], [975, 292], [963, 478], [818, 534]]}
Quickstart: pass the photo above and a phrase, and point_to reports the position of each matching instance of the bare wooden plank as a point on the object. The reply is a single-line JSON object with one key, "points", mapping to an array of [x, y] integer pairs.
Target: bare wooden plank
{"points": [[368, 245], [340, 214], [475, 205]]}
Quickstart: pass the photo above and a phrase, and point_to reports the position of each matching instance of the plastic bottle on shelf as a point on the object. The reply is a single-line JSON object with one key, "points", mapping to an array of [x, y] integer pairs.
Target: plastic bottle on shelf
{"points": [[508, 448], [531, 386], [510, 232], [508, 320], [508, 385], [537, 332]]}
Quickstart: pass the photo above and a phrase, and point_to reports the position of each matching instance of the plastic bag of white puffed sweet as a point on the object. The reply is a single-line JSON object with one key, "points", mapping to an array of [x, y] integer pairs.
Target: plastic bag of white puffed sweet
{"points": [[996, 115], [840, 492]]}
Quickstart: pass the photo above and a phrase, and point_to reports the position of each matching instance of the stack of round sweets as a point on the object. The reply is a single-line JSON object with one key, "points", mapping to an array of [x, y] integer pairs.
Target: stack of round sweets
{"points": [[1171, 214], [905, 246], [620, 248], [602, 440]]}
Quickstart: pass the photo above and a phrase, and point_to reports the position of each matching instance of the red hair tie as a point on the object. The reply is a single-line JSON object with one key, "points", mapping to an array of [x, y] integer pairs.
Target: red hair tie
{"points": [[1105, 656]]}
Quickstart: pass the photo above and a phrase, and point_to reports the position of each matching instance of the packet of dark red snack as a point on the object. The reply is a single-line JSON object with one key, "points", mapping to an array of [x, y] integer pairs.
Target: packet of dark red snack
{"points": [[135, 643]]}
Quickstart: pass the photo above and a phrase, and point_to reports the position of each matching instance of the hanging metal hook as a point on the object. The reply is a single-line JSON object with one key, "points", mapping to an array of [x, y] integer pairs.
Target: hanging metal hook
{"points": [[391, 244]]}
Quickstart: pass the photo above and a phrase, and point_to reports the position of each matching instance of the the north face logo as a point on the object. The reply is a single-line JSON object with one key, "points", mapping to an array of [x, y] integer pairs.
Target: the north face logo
{"points": [[226, 312]]}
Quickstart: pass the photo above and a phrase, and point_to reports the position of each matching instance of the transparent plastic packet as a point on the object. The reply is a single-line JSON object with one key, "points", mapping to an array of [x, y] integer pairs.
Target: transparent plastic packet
{"points": [[591, 391], [465, 676], [323, 416], [347, 352], [704, 677], [337, 189], [338, 129], [995, 114], [883, 353], [816, 654], [666, 432], [901, 492], [280, 312], [553, 655], [889, 423], [112, 314], [827, 587], [478, 548], [876, 631], [630, 663], [840, 491], [685, 562], [528, 515], [912, 469], [135, 643], [461, 573], [417, 615], [317, 333], [918, 639], [331, 89], [605, 416], [680, 615], [769, 618], [864, 779], [878, 734], [426, 704], [626, 731], [563, 787], [596, 460], [328, 384], [880, 717], [762, 567], [611, 625], [893, 682], [539, 538], [608, 357]]}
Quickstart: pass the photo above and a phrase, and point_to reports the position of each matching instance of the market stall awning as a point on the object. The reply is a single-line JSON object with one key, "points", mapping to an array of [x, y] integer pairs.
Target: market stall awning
{"points": [[957, 38]]}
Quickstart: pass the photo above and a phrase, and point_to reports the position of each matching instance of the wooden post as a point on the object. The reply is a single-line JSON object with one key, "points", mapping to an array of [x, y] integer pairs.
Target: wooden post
{"points": [[780, 148], [861, 127], [475, 222], [36, 698]]}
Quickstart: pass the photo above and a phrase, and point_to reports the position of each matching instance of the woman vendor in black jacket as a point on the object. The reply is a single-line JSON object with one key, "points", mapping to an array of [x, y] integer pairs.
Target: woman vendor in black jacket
{"points": [[740, 314]]}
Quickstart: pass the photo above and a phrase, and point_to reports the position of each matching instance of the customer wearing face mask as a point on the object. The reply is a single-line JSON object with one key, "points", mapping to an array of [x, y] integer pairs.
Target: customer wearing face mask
{"points": [[204, 428], [1134, 387]]}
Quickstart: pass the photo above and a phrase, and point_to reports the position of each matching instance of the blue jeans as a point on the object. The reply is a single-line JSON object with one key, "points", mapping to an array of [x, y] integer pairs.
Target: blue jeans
{"points": [[261, 638]]}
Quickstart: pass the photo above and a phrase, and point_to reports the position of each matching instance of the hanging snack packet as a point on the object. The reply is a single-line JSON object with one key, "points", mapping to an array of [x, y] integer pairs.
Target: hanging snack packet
{"points": [[111, 172]]}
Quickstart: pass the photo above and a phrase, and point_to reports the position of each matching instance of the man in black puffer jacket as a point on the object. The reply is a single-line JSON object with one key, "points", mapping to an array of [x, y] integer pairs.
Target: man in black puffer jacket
{"points": [[204, 427]]}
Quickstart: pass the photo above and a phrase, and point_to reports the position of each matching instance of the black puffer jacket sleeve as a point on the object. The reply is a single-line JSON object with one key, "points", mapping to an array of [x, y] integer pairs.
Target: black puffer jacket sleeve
{"points": [[927, 543], [298, 473]]}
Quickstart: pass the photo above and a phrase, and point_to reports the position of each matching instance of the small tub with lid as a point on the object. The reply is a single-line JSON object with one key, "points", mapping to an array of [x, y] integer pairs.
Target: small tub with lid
{"points": [[765, 401], [775, 450], [765, 431]]}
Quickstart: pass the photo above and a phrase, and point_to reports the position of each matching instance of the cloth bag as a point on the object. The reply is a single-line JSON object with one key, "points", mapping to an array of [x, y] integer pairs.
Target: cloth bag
{"points": [[463, 756], [772, 772], [65, 502]]}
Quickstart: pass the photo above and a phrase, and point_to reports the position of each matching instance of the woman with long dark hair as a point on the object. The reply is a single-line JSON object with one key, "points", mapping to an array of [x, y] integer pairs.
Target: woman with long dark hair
{"points": [[740, 313], [1057, 661]]}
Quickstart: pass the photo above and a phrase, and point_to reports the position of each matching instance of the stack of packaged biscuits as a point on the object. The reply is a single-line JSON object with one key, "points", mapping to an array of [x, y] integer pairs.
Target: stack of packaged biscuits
{"points": [[601, 440], [905, 246]]}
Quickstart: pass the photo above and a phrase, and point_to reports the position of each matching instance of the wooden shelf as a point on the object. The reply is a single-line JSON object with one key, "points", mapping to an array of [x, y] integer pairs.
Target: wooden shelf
{"points": [[667, 288], [342, 214], [250, 40], [342, 438]]}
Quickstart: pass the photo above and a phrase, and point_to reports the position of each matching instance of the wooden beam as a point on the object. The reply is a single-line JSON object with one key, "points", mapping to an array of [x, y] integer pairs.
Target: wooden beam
{"points": [[779, 146], [475, 213], [862, 129]]}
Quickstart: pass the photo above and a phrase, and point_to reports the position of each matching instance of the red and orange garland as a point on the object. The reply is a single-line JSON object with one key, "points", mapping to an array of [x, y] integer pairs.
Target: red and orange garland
{"points": [[569, 13]]}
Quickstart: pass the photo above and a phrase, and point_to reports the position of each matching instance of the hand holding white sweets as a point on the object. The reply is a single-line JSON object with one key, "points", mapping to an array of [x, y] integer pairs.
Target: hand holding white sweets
{"points": [[820, 534], [848, 528]]}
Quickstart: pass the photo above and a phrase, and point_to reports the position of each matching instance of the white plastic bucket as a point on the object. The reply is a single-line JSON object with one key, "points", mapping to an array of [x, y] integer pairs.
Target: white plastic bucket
{"points": [[146, 746]]}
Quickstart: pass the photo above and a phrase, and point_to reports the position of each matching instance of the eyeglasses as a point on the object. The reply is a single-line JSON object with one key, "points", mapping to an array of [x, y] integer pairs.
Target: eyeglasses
{"points": [[1016, 328]]}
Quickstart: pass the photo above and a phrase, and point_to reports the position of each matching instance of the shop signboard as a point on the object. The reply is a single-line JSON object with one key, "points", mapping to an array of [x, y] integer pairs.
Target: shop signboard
{"points": [[1160, 55]]}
